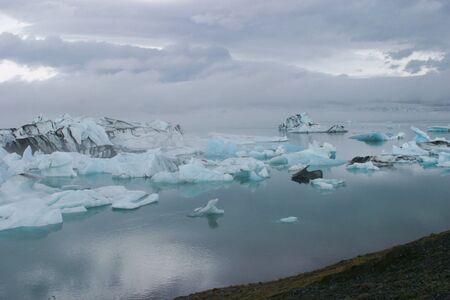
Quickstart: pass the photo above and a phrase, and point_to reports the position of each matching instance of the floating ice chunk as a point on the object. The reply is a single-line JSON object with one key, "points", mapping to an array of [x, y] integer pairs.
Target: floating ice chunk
{"points": [[192, 172], [296, 168], [243, 168], [315, 155], [443, 160], [135, 200], [262, 155], [327, 184], [421, 136], [208, 210], [439, 129], [428, 161], [57, 164], [409, 148], [220, 148], [367, 166], [126, 165], [289, 220], [374, 137], [73, 210], [28, 213]]}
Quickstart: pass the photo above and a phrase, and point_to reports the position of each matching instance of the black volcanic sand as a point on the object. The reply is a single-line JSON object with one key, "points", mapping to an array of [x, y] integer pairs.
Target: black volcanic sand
{"points": [[420, 269]]}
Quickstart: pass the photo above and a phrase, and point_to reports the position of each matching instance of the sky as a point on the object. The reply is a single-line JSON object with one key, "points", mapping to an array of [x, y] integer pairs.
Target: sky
{"points": [[222, 62]]}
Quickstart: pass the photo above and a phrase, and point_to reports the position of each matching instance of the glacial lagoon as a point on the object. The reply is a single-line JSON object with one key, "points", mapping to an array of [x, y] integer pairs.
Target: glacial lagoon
{"points": [[158, 252]]}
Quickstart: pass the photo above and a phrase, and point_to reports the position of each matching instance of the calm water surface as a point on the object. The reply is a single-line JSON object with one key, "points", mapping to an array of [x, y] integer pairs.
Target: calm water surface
{"points": [[157, 252]]}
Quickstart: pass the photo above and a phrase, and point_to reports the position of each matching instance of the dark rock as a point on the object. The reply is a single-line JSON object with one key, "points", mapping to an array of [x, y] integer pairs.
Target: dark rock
{"points": [[304, 176]]}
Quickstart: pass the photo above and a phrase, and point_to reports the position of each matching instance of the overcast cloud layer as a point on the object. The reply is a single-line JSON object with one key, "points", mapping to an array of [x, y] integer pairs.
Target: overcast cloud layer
{"points": [[191, 59]]}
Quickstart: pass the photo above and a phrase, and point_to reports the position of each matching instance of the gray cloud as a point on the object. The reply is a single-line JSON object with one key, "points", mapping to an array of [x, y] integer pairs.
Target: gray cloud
{"points": [[234, 58]]}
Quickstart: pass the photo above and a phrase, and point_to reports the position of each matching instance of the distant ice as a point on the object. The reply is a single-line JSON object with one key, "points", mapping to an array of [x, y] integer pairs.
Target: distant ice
{"points": [[374, 137], [289, 220]]}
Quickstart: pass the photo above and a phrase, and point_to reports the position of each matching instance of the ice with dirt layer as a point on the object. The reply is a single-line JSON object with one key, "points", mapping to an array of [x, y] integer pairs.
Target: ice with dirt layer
{"points": [[327, 184], [208, 210], [366, 166], [141, 136], [374, 137], [302, 123]]}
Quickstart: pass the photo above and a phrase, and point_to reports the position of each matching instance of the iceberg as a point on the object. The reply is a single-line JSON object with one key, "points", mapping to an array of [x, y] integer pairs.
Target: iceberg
{"points": [[102, 138], [193, 172], [443, 160], [208, 210], [327, 184], [220, 148], [243, 168], [57, 164], [27, 214], [435, 146], [315, 155], [409, 148], [65, 134], [302, 123], [289, 220], [74, 210], [439, 129], [366, 166], [139, 137], [377, 137], [135, 200]]}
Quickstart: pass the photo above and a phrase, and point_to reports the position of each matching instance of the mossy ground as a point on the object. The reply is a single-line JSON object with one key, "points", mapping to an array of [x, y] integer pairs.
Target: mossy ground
{"points": [[417, 270]]}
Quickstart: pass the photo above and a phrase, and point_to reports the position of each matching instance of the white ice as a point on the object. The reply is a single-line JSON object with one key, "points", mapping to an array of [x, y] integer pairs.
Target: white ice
{"points": [[289, 220], [208, 210], [133, 200], [327, 184], [315, 155], [193, 172], [409, 148], [367, 166]]}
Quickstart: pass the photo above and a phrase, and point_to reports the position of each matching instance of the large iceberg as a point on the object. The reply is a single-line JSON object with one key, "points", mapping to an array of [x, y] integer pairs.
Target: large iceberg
{"points": [[98, 138], [425, 142], [302, 123]]}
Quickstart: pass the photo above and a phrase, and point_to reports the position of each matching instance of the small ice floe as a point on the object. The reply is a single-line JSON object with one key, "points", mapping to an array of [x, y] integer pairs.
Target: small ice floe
{"points": [[135, 199], [439, 129], [208, 210], [327, 184], [288, 220], [377, 137], [366, 166]]}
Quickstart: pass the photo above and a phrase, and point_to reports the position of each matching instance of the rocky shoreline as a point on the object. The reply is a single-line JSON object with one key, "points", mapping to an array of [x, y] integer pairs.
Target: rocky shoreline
{"points": [[416, 270]]}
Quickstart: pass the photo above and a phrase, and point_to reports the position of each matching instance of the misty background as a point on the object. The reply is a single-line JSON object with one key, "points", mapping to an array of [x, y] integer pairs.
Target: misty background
{"points": [[220, 64]]}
